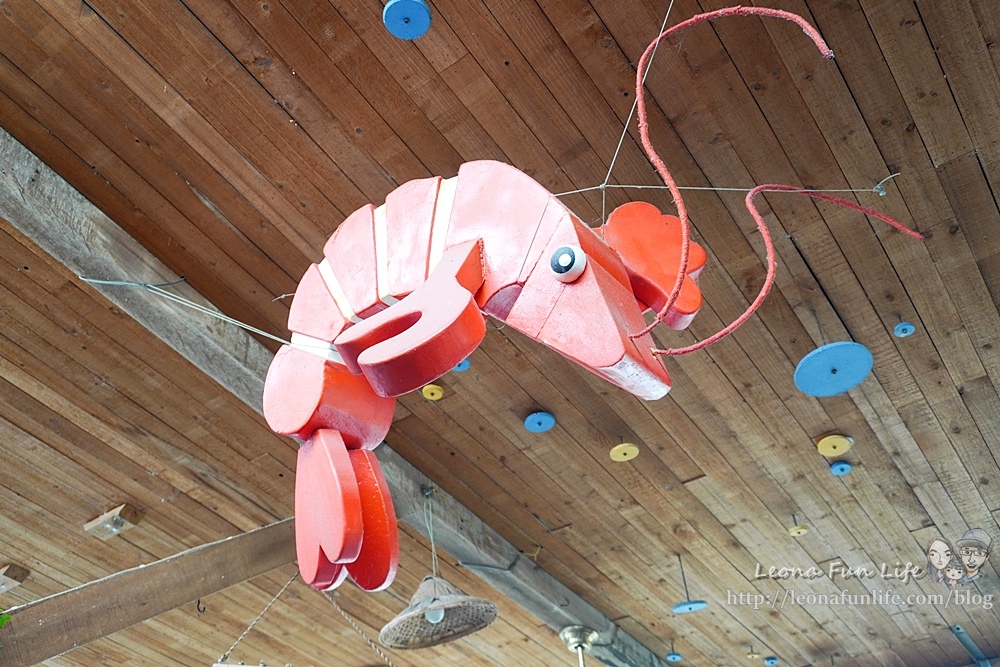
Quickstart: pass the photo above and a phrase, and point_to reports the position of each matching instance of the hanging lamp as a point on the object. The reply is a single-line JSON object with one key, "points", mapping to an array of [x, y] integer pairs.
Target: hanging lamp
{"points": [[688, 606], [438, 612], [673, 656]]}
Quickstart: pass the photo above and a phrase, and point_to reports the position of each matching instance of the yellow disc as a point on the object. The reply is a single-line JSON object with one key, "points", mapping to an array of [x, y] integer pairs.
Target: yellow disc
{"points": [[626, 451], [834, 445], [798, 531], [753, 655], [432, 392]]}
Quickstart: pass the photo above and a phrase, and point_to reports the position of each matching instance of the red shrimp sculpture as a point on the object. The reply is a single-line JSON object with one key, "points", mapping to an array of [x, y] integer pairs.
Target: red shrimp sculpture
{"points": [[401, 297]]}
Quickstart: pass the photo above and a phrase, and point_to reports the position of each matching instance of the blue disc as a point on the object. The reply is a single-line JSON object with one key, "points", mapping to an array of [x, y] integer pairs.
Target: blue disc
{"points": [[903, 330], [674, 657], [406, 19], [462, 366], [689, 606], [770, 661], [840, 468], [539, 422], [833, 369]]}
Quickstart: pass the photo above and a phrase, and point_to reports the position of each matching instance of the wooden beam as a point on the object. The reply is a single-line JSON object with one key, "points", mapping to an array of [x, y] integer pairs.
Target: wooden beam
{"points": [[63, 223], [59, 623]]}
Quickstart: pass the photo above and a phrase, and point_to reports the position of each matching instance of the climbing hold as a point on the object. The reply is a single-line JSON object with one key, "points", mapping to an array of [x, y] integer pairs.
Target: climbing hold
{"points": [[539, 422], [834, 444], [674, 657], [462, 366], [770, 661], [432, 392], [840, 468], [833, 369], [625, 451], [903, 330], [406, 19]]}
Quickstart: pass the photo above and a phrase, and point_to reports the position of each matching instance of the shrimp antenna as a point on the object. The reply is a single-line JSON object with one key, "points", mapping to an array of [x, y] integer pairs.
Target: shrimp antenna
{"points": [[682, 213]]}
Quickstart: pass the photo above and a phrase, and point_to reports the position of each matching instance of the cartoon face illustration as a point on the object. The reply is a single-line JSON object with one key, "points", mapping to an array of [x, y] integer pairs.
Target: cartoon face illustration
{"points": [[973, 557], [939, 554], [974, 548], [954, 571]]}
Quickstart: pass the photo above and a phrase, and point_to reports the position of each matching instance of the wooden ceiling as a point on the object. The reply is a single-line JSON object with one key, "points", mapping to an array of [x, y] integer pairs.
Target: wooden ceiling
{"points": [[231, 137]]}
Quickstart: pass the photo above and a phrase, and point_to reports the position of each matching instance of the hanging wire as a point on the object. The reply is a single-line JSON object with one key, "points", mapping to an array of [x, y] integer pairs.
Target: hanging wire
{"points": [[357, 628], [225, 656], [176, 298], [428, 492], [158, 290], [878, 188], [621, 140]]}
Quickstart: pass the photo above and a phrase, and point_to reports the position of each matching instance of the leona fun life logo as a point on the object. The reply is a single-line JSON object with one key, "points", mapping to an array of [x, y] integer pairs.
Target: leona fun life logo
{"points": [[952, 566]]}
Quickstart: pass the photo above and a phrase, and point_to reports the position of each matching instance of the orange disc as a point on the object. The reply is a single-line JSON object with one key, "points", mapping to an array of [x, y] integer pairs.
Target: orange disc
{"points": [[375, 567]]}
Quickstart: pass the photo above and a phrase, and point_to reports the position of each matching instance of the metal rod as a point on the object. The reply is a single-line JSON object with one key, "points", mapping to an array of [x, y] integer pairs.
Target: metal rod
{"points": [[579, 653], [687, 596]]}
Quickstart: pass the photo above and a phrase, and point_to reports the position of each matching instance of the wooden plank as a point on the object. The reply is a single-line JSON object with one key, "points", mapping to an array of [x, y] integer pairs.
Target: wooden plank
{"points": [[916, 70], [54, 625], [413, 73], [953, 29], [38, 203], [139, 77], [167, 197], [386, 124]]}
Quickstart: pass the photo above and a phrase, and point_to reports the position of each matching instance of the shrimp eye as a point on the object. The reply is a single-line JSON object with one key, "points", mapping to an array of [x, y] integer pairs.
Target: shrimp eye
{"points": [[568, 263]]}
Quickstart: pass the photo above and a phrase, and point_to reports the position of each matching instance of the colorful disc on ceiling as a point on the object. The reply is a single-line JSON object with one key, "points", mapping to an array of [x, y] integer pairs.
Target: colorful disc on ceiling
{"points": [[432, 392], [841, 468], [539, 422], [625, 451], [834, 445], [674, 657], [798, 530], [406, 19], [462, 366], [689, 606], [833, 369], [903, 330], [771, 661]]}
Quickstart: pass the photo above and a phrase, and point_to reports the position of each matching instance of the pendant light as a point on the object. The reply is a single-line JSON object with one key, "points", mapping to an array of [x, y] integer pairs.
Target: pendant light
{"points": [[688, 606], [438, 612]]}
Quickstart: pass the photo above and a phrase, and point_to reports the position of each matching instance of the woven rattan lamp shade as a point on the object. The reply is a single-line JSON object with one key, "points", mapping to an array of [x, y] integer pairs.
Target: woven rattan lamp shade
{"points": [[462, 615]]}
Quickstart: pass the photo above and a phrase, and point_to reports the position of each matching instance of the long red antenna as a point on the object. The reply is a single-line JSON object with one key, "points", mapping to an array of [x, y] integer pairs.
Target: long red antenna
{"points": [[679, 200]]}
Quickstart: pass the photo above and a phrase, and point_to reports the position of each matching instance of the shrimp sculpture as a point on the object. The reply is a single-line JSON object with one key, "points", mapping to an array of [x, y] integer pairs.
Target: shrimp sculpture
{"points": [[402, 313], [401, 297]]}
